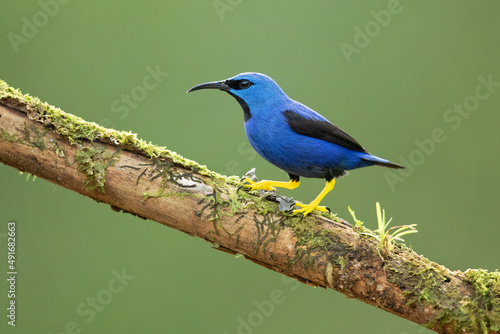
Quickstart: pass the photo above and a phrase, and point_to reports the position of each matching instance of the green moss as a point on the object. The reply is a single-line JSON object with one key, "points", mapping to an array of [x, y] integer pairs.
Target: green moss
{"points": [[416, 276], [423, 280], [93, 162], [342, 262], [482, 307], [76, 130], [6, 136], [313, 243], [234, 200], [35, 140], [160, 193], [58, 150], [32, 138]]}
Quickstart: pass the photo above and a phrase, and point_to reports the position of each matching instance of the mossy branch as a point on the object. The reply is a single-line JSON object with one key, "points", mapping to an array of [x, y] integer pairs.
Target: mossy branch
{"points": [[154, 183]]}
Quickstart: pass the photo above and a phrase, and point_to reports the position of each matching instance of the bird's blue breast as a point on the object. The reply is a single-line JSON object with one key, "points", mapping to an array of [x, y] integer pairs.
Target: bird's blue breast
{"points": [[270, 135]]}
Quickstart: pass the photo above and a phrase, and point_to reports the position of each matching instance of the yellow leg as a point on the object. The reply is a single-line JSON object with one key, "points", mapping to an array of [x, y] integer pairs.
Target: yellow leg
{"points": [[268, 185], [314, 205]]}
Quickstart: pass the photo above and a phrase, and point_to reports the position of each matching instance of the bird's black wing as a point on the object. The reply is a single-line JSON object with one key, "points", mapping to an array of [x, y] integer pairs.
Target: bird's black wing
{"points": [[321, 130]]}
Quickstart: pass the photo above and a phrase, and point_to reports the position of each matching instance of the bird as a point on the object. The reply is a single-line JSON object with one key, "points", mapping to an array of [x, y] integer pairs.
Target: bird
{"points": [[293, 137]]}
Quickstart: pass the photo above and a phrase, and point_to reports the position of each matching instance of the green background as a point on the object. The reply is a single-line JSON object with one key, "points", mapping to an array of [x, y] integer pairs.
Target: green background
{"points": [[394, 91]]}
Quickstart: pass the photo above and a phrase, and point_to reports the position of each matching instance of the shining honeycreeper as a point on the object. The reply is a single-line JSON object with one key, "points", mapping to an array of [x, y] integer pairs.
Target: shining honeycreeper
{"points": [[293, 137]]}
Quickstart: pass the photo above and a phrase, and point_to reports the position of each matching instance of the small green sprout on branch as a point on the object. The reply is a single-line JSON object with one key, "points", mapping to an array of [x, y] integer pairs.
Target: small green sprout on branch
{"points": [[386, 239], [358, 222], [28, 176]]}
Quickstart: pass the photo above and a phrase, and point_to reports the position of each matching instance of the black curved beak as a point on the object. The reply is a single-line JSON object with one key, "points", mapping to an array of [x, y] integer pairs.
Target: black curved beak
{"points": [[213, 85]]}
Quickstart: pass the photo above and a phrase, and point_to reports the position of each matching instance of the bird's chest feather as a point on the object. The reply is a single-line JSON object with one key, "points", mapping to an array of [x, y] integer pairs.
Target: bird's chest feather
{"points": [[271, 137]]}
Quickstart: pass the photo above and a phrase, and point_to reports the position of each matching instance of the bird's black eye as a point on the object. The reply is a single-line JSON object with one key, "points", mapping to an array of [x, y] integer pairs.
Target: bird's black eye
{"points": [[244, 84], [238, 84]]}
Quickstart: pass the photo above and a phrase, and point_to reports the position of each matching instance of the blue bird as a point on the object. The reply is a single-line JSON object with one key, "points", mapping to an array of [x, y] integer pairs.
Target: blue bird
{"points": [[293, 137]]}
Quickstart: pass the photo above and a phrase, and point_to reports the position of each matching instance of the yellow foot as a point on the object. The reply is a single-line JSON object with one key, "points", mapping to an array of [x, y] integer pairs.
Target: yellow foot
{"points": [[268, 185], [264, 185], [308, 208], [314, 205]]}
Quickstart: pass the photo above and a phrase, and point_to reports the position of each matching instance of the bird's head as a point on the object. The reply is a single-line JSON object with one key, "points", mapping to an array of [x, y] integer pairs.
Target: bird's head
{"points": [[252, 90]]}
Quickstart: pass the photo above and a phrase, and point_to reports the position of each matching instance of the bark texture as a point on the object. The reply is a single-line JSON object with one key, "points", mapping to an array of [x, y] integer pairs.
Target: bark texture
{"points": [[153, 183]]}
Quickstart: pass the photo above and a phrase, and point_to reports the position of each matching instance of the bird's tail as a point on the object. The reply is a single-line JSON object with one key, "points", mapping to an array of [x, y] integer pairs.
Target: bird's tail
{"points": [[389, 165], [382, 162]]}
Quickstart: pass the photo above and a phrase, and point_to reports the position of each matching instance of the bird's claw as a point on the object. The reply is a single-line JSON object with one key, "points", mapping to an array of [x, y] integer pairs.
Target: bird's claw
{"points": [[305, 209], [248, 185], [247, 179]]}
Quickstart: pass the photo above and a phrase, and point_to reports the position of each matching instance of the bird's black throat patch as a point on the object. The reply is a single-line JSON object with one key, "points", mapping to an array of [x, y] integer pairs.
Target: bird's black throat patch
{"points": [[244, 105], [319, 129]]}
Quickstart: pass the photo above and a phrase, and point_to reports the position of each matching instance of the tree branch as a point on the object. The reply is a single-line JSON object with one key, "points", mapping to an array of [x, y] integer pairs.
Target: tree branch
{"points": [[154, 183]]}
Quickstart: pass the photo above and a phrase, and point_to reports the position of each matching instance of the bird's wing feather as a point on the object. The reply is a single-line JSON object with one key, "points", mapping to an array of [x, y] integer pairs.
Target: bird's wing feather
{"points": [[321, 129]]}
